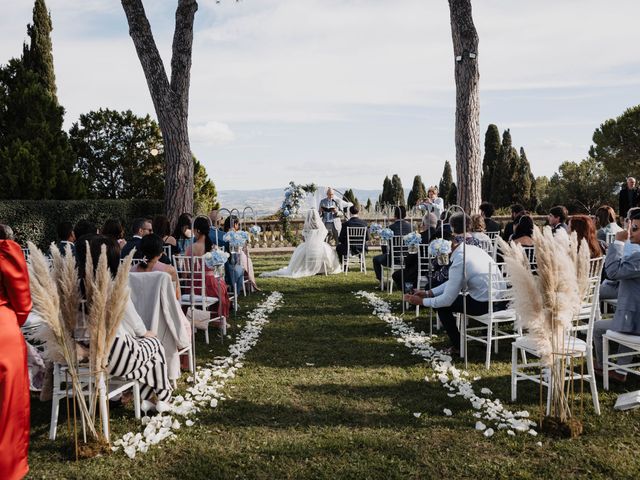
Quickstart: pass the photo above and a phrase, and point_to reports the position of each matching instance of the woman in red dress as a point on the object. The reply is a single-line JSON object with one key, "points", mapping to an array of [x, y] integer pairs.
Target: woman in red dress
{"points": [[15, 304]]}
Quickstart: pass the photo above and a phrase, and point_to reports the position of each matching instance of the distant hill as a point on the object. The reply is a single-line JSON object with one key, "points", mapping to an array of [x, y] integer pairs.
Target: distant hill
{"points": [[267, 201]]}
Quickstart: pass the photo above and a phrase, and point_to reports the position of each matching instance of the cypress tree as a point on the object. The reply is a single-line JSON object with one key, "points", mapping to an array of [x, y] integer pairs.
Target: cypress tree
{"points": [[368, 205], [36, 160], [444, 187], [521, 180], [386, 197], [490, 160], [349, 196], [38, 55], [417, 192], [502, 182], [452, 196], [398, 191]]}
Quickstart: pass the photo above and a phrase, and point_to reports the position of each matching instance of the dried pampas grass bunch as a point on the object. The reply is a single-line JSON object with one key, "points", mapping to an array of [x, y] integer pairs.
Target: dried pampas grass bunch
{"points": [[53, 293]]}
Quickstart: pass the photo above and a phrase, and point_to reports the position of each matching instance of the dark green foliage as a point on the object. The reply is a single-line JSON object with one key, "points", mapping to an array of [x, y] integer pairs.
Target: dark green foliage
{"points": [[490, 160], [386, 197], [37, 220], [205, 196], [617, 144], [114, 152], [418, 191], [368, 205], [36, 160], [444, 187], [581, 186]]}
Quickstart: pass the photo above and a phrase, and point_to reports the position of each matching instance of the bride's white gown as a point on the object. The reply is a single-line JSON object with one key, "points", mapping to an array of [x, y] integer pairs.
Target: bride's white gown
{"points": [[313, 256]]}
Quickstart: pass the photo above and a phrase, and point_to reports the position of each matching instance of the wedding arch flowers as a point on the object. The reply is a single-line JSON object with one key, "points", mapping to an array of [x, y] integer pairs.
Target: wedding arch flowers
{"points": [[293, 196]]}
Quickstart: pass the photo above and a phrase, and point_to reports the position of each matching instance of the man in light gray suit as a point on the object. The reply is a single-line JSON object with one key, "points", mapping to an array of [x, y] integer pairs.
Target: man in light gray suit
{"points": [[625, 269]]}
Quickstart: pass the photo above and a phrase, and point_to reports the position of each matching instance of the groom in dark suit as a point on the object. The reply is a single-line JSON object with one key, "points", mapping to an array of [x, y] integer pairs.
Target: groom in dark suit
{"points": [[354, 221], [399, 227]]}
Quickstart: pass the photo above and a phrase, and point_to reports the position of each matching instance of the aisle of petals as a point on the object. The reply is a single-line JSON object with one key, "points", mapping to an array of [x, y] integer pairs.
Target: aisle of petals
{"points": [[206, 389], [451, 378]]}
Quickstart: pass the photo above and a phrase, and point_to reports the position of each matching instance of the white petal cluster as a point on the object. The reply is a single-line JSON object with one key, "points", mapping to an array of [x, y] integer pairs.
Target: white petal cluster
{"points": [[206, 389], [454, 380]]}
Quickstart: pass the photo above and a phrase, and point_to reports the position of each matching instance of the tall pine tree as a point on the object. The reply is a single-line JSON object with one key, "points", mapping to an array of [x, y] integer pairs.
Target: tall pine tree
{"points": [[444, 187], [36, 160], [490, 160], [418, 191], [386, 197]]}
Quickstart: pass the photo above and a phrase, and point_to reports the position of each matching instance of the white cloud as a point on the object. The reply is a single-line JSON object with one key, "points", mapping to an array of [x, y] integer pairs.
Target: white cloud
{"points": [[212, 133]]}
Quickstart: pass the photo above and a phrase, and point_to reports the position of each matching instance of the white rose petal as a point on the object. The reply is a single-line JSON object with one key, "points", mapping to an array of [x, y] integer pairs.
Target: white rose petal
{"points": [[480, 426], [447, 412], [417, 414], [488, 432]]}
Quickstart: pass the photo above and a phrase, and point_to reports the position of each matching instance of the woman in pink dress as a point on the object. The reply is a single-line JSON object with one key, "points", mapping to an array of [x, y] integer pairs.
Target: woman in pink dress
{"points": [[215, 285], [15, 304]]}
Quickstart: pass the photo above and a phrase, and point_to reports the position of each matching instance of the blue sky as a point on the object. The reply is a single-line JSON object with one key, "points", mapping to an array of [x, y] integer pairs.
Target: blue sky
{"points": [[344, 92]]}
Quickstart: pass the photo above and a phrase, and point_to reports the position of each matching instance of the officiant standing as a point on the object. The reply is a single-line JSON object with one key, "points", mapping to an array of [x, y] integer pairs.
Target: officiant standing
{"points": [[329, 208]]}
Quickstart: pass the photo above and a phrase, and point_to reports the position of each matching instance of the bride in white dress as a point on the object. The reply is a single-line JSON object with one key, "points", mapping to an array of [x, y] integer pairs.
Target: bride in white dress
{"points": [[314, 255]]}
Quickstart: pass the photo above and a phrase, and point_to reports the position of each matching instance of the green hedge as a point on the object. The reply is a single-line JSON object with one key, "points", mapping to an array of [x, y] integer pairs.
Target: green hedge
{"points": [[37, 220]]}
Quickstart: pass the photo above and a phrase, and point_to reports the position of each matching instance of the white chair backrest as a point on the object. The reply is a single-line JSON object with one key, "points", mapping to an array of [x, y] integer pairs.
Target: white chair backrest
{"points": [[356, 237], [25, 252], [487, 246], [397, 250], [167, 251], [191, 275], [425, 264], [610, 238], [500, 288], [493, 235]]}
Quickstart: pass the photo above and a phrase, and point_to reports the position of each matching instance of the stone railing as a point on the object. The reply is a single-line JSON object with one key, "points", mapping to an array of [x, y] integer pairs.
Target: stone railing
{"points": [[272, 235]]}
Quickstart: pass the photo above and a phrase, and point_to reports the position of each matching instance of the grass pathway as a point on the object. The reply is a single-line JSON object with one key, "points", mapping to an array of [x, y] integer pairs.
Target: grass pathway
{"points": [[329, 393]]}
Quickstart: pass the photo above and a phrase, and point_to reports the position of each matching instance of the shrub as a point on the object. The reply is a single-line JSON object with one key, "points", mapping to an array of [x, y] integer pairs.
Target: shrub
{"points": [[36, 220]]}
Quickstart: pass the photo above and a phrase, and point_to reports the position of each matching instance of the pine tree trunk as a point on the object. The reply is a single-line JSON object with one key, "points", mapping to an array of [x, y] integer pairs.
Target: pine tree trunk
{"points": [[467, 136], [170, 99]]}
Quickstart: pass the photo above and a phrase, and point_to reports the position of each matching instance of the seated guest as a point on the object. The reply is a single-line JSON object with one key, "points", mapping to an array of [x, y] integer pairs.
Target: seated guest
{"points": [[523, 231], [478, 228], [214, 286], [66, 237], [517, 211], [586, 230], [606, 222], [6, 233], [428, 232], [609, 287], [239, 259], [151, 250], [136, 353], [446, 299], [162, 228], [139, 228], [84, 227], [558, 218], [626, 270], [216, 234], [113, 228], [182, 233], [399, 227], [354, 221], [487, 210]]}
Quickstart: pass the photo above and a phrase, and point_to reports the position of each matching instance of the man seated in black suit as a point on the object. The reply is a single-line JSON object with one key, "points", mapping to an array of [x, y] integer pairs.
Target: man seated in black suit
{"points": [[487, 210], [139, 228], [399, 227], [428, 232], [354, 221], [517, 211]]}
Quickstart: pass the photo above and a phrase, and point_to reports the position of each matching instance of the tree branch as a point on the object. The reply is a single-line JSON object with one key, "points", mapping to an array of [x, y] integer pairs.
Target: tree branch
{"points": [[152, 66], [182, 48]]}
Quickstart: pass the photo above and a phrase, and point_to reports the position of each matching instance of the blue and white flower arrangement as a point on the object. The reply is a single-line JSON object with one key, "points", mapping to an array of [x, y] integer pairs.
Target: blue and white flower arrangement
{"points": [[386, 234], [440, 249], [236, 239], [255, 230], [215, 258], [375, 229], [412, 239], [293, 197]]}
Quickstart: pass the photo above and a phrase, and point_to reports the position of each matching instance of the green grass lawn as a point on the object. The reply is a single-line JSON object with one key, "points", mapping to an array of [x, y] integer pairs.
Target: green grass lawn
{"points": [[328, 393]]}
